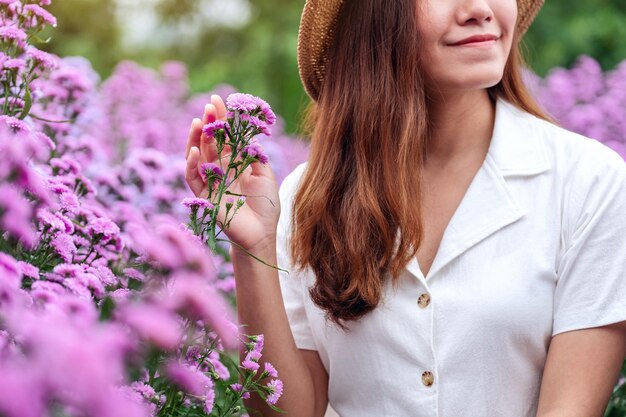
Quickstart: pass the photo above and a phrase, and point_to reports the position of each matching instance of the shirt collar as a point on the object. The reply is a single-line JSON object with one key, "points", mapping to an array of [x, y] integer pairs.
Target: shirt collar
{"points": [[516, 146]]}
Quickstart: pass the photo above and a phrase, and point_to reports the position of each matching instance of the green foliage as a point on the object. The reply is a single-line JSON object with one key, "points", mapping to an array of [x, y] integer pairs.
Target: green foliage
{"points": [[86, 28], [566, 29]]}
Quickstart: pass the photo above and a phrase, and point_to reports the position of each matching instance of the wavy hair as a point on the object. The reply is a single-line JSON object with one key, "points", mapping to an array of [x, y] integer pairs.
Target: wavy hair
{"points": [[356, 216]]}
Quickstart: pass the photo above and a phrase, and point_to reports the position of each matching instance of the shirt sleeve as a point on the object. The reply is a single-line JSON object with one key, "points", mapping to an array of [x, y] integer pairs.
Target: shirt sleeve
{"points": [[292, 284], [591, 272]]}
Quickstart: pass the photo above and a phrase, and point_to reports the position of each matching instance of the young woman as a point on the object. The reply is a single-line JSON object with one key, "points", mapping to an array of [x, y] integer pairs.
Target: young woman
{"points": [[452, 252]]}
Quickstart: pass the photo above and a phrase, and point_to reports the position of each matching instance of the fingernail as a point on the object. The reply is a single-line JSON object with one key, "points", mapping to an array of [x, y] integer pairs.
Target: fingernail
{"points": [[211, 118]]}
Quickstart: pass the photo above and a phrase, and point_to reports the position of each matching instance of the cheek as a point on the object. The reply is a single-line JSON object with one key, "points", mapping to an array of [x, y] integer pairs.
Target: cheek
{"points": [[506, 10]]}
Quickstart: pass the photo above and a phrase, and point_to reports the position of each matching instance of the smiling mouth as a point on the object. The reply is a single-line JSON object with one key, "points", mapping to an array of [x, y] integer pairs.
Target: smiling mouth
{"points": [[477, 40], [476, 43]]}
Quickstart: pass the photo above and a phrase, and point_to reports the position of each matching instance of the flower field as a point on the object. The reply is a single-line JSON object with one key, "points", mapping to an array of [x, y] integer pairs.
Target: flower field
{"points": [[110, 305]]}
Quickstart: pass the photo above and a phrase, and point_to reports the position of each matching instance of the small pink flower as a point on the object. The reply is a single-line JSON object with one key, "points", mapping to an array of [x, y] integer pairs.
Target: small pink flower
{"points": [[276, 389], [271, 371], [250, 365]]}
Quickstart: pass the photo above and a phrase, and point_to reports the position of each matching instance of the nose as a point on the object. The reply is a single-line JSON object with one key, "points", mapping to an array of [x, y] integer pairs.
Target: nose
{"points": [[474, 12]]}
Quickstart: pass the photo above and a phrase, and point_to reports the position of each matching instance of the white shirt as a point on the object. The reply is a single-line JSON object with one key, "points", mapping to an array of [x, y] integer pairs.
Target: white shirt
{"points": [[536, 247]]}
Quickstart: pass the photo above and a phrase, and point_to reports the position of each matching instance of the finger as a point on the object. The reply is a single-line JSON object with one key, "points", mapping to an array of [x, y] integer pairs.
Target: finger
{"points": [[192, 176], [219, 106], [194, 135], [260, 169], [210, 114], [208, 148]]}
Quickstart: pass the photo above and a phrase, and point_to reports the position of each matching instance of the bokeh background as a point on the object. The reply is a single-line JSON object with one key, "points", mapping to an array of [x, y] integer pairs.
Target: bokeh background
{"points": [[251, 44]]}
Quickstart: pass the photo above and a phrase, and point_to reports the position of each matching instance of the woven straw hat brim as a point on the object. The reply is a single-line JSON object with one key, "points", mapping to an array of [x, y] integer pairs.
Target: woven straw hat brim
{"points": [[317, 27]]}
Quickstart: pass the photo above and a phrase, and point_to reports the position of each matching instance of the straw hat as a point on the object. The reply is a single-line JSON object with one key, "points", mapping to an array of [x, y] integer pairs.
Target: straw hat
{"points": [[317, 27]]}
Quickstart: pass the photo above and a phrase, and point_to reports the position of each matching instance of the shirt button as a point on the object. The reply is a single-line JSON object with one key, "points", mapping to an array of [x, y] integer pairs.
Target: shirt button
{"points": [[427, 378], [423, 300]]}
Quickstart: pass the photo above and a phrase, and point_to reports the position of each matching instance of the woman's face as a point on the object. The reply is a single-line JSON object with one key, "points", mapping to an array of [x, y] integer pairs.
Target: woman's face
{"points": [[474, 65]]}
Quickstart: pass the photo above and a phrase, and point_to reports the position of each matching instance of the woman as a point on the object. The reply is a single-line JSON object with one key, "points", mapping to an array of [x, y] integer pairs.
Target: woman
{"points": [[452, 252]]}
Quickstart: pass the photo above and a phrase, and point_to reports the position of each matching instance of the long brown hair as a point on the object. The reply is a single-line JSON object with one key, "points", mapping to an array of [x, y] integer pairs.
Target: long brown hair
{"points": [[368, 131]]}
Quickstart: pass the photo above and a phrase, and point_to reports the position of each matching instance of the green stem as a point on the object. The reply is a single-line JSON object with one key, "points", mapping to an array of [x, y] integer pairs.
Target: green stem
{"points": [[243, 249]]}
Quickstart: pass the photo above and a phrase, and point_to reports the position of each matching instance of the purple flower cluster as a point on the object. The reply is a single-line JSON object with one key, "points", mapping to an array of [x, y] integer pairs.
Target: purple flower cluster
{"points": [[99, 274], [251, 110], [97, 270], [246, 117], [586, 100], [270, 391], [20, 62]]}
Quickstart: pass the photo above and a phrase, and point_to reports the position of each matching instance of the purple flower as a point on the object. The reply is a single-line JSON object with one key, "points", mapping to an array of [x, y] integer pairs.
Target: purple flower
{"points": [[63, 271], [271, 371], [267, 115], [46, 60], [105, 227], [227, 284], [249, 365], [22, 390], [29, 270], [219, 368], [209, 401], [209, 170], [14, 63], [200, 300], [15, 124], [255, 150], [63, 245], [146, 391], [69, 202], [48, 286], [252, 105], [239, 388], [188, 378], [41, 13], [152, 323], [215, 128], [50, 220], [254, 355], [258, 340], [10, 32], [258, 125], [17, 216], [197, 202], [276, 390], [92, 282], [15, 102], [121, 294], [135, 274], [104, 274], [242, 102], [10, 268]]}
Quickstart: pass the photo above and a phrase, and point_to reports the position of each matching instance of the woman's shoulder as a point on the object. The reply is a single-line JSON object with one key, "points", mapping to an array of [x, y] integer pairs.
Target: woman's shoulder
{"points": [[568, 151], [287, 191], [590, 175], [290, 184]]}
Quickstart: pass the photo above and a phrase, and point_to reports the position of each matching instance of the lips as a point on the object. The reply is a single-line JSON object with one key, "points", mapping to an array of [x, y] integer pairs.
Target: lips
{"points": [[475, 39]]}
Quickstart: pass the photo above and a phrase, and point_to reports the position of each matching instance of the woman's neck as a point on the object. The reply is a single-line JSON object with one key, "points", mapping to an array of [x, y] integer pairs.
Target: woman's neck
{"points": [[461, 128]]}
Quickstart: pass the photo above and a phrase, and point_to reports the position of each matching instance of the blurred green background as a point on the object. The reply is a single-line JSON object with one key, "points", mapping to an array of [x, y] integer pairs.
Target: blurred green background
{"points": [[251, 44]]}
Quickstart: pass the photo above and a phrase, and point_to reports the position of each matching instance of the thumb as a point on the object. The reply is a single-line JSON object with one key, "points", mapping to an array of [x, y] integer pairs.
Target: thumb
{"points": [[260, 169]]}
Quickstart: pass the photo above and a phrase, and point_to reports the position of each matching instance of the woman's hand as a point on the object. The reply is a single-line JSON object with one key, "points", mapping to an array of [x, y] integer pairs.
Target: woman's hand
{"points": [[254, 225]]}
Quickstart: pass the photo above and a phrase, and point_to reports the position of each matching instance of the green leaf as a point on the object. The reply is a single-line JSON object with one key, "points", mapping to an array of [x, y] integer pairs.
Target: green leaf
{"points": [[107, 308], [28, 103]]}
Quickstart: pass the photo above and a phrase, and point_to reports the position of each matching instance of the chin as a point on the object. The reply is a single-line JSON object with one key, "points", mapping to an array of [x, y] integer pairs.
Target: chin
{"points": [[474, 80]]}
